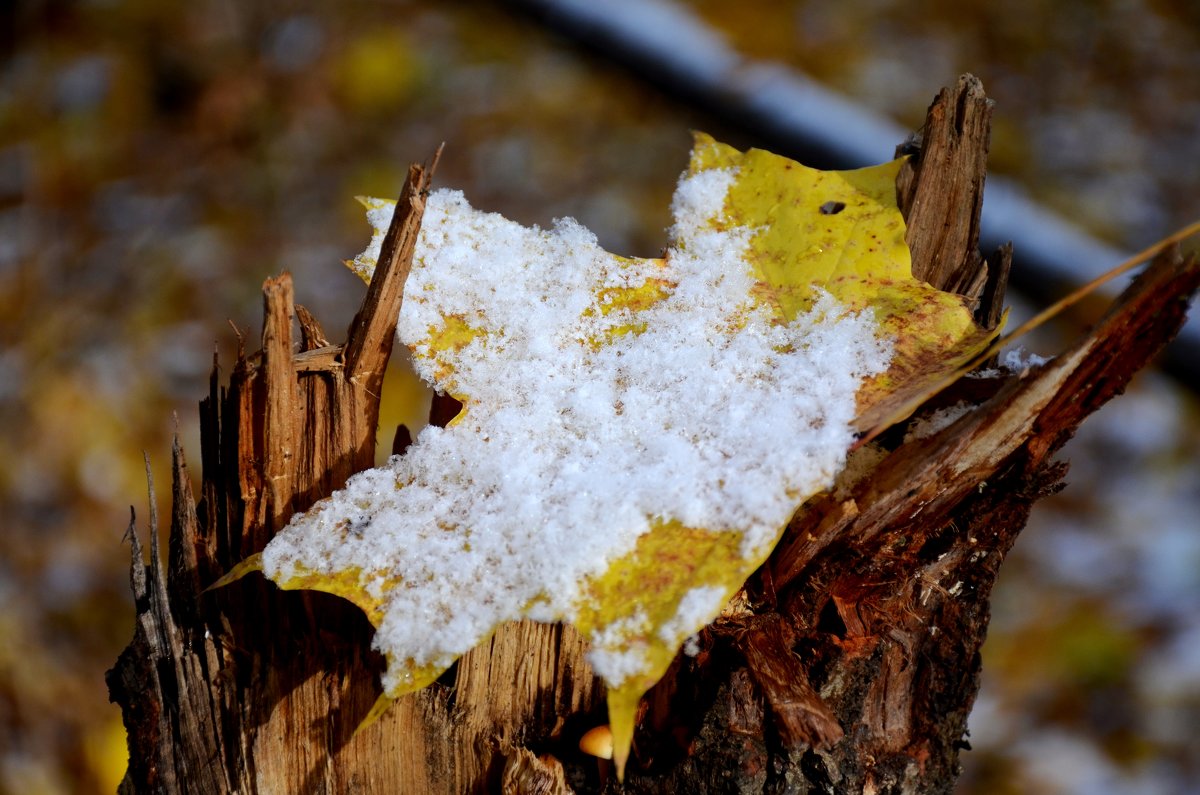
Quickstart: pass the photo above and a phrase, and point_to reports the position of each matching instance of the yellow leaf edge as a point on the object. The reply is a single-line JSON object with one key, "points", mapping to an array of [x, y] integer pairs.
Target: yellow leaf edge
{"points": [[996, 343], [250, 564], [842, 232]]}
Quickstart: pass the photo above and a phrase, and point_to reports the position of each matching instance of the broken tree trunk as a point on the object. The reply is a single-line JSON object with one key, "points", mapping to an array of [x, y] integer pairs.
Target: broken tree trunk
{"points": [[849, 664]]}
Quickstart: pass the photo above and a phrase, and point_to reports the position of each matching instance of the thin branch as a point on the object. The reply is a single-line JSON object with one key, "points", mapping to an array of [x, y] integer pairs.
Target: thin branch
{"points": [[370, 341]]}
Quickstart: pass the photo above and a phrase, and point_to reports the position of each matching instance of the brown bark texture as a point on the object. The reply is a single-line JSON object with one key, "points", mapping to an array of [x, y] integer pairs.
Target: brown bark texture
{"points": [[848, 664]]}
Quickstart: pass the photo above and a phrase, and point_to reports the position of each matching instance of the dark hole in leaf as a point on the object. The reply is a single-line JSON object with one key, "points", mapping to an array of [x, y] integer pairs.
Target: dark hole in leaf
{"points": [[832, 208], [401, 440], [443, 409]]}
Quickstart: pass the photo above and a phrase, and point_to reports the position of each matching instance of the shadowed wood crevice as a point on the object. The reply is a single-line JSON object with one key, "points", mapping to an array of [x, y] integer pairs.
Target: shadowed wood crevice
{"points": [[849, 663]]}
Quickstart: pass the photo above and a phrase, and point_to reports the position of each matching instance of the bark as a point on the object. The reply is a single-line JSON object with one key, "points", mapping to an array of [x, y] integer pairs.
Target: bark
{"points": [[849, 663]]}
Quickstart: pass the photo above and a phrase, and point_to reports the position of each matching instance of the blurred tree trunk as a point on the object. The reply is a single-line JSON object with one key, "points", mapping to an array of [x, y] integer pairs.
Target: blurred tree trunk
{"points": [[849, 663]]}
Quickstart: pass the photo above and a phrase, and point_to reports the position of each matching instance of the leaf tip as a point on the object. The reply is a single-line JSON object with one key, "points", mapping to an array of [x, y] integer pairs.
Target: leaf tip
{"points": [[240, 570], [362, 269], [381, 705], [622, 715]]}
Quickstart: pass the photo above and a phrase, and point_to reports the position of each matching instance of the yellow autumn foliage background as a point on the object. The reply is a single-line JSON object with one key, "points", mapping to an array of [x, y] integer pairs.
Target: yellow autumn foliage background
{"points": [[158, 160]]}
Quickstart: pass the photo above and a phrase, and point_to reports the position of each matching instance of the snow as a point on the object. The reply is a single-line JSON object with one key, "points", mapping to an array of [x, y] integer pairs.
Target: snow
{"points": [[925, 426], [578, 437], [696, 608], [618, 651], [1019, 360]]}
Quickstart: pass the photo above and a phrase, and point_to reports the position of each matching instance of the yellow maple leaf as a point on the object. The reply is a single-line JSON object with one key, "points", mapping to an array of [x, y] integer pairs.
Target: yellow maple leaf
{"points": [[636, 433]]}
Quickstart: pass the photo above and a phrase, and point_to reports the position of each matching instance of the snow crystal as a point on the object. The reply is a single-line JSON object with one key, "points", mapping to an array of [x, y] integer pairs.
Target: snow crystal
{"points": [[925, 426], [1019, 360], [619, 650], [578, 436], [697, 607]]}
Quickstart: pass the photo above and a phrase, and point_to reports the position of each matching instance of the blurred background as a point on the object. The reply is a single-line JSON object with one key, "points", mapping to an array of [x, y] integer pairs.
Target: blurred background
{"points": [[159, 160]]}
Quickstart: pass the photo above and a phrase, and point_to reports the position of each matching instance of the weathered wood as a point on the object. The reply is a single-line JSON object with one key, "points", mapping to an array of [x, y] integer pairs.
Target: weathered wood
{"points": [[849, 663], [941, 192], [250, 689], [163, 675], [272, 685], [800, 715]]}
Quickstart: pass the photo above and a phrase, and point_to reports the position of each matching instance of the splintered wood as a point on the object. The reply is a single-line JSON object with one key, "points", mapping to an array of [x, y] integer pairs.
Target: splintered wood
{"points": [[851, 661]]}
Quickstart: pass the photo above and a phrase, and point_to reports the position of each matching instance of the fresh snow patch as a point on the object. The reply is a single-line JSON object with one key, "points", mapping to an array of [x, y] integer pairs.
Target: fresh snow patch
{"points": [[1019, 360], [575, 440], [696, 609]]}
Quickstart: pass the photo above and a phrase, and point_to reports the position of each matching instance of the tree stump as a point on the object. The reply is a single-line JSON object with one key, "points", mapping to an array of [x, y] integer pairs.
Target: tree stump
{"points": [[849, 663]]}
